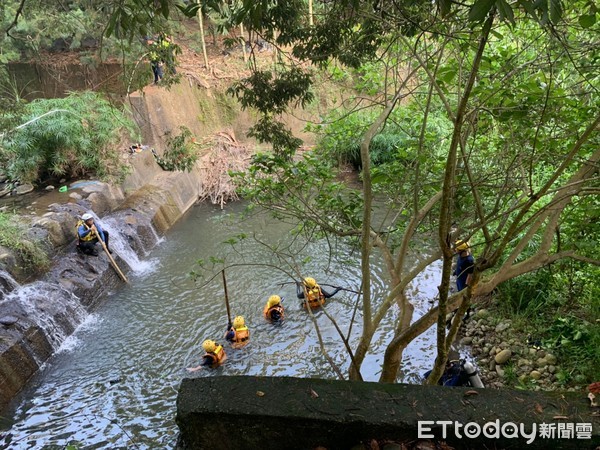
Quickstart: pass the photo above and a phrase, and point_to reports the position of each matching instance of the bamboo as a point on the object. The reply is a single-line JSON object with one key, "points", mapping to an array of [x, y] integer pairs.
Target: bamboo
{"points": [[226, 296], [243, 43], [114, 264], [201, 25]]}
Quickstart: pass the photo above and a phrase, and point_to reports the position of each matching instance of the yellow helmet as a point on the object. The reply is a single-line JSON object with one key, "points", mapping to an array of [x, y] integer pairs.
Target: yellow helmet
{"points": [[310, 282], [209, 346], [461, 245], [238, 322], [274, 300]]}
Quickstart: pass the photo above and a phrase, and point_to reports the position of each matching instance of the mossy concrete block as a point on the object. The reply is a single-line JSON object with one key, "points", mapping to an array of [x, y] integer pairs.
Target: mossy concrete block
{"points": [[272, 413]]}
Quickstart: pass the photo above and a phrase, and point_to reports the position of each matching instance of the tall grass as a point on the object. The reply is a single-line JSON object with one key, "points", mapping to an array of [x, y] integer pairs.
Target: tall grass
{"points": [[13, 235], [540, 305]]}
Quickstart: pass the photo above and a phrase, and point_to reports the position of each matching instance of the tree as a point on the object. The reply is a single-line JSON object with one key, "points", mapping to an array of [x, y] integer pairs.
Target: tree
{"points": [[455, 49], [517, 84]]}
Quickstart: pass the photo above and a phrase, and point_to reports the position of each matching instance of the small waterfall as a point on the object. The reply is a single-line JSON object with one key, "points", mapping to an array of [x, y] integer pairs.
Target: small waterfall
{"points": [[157, 238], [56, 311], [127, 243]]}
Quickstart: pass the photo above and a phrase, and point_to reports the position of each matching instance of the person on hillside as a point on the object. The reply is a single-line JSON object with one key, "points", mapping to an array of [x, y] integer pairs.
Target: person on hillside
{"points": [[213, 357], [465, 265], [87, 235], [313, 294], [155, 60], [273, 310], [167, 48], [238, 334]]}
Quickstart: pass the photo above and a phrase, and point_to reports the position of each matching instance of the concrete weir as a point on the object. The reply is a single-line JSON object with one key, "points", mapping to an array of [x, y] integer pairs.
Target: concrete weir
{"points": [[273, 413]]}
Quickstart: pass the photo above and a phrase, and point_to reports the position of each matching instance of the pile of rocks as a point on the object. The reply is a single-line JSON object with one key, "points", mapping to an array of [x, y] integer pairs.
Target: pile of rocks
{"points": [[505, 358]]}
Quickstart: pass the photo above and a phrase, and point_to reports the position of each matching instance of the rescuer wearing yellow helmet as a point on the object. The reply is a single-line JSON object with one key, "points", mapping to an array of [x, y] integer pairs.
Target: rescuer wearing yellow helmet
{"points": [[313, 294], [238, 334], [464, 265], [87, 237], [273, 310], [213, 357]]}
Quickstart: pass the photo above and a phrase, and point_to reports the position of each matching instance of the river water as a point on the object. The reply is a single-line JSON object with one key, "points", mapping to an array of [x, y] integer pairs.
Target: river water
{"points": [[113, 384]]}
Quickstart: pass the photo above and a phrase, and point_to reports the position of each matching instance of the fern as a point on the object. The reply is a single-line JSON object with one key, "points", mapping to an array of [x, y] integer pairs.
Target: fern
{"points": [[80, 141]]}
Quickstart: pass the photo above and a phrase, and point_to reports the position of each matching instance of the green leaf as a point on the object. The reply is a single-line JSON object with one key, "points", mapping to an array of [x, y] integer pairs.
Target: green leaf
{"points": [[447, 74], [506, 11], [445, 6], [587, 20], [529, 7], [112, 22], [480, 9], [164, 8], [380, 178], [190, 10], [556, 10]]}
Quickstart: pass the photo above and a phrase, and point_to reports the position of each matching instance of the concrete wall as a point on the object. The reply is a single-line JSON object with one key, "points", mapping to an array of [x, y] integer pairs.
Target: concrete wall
{"points": [[266, 413], [34, 80]]}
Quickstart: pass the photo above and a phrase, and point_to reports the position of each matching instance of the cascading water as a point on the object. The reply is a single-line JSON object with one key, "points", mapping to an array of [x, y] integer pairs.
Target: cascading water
{"points": [[127, 243], [54, 310], [116, 388]]}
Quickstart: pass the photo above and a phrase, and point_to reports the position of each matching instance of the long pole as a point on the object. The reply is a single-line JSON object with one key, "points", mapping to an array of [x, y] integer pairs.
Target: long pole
{"points": [[226, 296], [114, 264], [341, 288]]}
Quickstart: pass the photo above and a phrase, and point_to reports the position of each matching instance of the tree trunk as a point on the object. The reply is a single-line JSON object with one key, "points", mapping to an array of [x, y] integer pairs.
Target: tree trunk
{"points": [[448, 198], [393, 353], [202, 41]]}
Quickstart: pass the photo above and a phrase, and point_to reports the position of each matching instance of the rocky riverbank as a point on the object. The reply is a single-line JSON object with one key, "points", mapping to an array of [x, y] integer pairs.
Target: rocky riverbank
{"points": [[506, 358]]}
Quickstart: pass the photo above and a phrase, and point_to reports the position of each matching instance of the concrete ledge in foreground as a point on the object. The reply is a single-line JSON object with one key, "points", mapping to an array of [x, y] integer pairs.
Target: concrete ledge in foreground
{"points": [[292, 413]]}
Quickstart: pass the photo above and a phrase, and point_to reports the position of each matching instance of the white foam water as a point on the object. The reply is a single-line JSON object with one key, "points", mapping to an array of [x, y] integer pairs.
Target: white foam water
{"points": [[120, 245], [73, 341], [56, 311]]}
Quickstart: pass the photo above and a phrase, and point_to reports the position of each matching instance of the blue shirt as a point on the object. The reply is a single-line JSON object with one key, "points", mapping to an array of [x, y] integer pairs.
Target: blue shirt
{"points": [[83, 231], [464, 267]]}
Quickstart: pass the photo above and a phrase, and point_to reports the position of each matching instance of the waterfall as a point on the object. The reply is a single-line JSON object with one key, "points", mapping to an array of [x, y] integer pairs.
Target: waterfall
{"points": [[126, 242], [55, 310]]}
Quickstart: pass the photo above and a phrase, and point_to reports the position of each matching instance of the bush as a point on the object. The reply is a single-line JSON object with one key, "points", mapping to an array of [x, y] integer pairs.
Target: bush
{"points": [[181, 153], [13, 236], [69, 136], [542, 305]]}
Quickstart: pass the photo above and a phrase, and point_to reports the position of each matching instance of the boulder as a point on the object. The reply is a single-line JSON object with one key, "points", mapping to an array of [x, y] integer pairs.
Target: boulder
{"points": [[24, 189], [503, 356]]}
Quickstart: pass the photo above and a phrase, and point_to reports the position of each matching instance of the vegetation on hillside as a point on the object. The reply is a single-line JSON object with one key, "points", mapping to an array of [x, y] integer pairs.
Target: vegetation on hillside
{"points": [[479, 122], [476, 120], [13, 235], [67, 137]]}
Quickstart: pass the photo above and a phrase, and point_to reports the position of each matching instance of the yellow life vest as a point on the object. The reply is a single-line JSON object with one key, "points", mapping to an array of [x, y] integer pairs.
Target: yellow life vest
{"points": [[268, 311], [241, 338], [87, 237], [218, 356], [314, 297]]}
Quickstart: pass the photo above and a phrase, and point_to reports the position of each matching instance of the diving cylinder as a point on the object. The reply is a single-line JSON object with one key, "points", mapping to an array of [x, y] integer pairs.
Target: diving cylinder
{"points": [[473, 375]]}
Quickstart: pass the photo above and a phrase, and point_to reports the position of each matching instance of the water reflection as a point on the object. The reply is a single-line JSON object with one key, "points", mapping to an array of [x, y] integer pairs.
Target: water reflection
{"points": [[117, 384]]}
